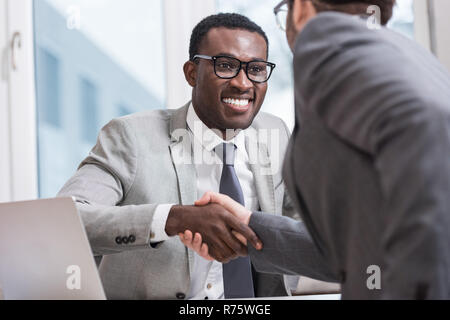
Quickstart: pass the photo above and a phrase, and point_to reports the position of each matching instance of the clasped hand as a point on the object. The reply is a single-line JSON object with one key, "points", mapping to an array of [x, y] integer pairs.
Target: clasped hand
{"points": [[225, 251]]}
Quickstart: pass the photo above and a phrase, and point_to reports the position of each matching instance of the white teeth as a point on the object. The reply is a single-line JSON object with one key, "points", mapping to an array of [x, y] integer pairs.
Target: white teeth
{"points": [[236, 102]]}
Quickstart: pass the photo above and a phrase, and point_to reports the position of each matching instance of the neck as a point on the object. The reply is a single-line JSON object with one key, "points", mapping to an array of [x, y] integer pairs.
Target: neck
{"points": [[356, 8], [221, 133]]}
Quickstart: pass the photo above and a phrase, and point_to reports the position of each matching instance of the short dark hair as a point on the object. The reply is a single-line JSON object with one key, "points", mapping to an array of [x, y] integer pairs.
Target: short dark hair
{"points": [[356, 7], [225, 20]]}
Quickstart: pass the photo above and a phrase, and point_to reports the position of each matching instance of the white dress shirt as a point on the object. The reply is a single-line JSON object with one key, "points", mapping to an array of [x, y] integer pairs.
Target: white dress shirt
{"points": [[206, 276]]}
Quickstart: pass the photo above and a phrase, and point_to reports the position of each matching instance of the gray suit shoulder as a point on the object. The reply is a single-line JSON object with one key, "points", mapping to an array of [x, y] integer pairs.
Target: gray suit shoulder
{"points": [[337, 30], [333, 43], [148, 115], [150, 123], [266, 120], [156, 119], [336, 22]]}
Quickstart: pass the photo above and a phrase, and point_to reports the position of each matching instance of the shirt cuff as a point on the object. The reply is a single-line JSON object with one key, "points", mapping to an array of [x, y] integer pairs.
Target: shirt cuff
{"points": [[158, 228]]}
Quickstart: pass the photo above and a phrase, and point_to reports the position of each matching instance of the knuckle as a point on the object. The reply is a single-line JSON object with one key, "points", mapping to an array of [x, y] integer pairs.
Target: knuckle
{"points": [[239, 248], [216, 229]]}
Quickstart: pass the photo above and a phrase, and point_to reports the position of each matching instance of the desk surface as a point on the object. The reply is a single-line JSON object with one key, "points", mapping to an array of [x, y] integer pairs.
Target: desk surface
{"points": [[311, 297], [318, 297]]}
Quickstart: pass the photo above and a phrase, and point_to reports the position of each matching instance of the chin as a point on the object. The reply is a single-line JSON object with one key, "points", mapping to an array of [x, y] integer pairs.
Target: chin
{"points": [[240, 124], [238, 120]]}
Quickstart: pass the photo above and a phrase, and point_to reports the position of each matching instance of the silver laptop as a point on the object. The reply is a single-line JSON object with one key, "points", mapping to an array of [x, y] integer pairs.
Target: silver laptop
{"points": [[45, 253]]}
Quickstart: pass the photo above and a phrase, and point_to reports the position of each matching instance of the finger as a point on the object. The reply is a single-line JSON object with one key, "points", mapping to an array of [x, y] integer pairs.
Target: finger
{"points": [[246, 232], [204, 252], [188, 244], [233, 243], [220, 251], [197, 243], [188, 236], [204, 200], [225, 201], [209, 197], [240, 237]]}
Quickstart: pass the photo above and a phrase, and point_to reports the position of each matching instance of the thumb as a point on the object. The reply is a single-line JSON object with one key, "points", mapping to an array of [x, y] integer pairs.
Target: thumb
{"points": [[232, 206], [204, 200]]}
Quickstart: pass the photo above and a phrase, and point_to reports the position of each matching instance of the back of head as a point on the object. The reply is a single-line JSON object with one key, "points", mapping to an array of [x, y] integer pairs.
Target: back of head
{"points": [[356, 7]]}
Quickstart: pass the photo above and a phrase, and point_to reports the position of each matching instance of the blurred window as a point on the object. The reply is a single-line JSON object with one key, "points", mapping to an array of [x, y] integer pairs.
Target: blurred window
{"points": [[403, 19], [89, 107], [49, 97], [124, 110], [95, 60]]}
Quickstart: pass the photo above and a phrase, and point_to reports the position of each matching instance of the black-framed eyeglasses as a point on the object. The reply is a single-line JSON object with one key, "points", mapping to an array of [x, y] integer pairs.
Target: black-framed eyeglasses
{"points": [[281, 13], [226, 67]]}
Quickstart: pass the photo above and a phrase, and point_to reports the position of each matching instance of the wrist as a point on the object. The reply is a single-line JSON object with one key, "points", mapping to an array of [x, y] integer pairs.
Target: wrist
{"points": [[173, 224]]}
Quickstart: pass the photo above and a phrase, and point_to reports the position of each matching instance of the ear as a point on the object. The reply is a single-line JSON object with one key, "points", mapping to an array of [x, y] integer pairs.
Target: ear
{"points": [[302, 11], [190, 73]]}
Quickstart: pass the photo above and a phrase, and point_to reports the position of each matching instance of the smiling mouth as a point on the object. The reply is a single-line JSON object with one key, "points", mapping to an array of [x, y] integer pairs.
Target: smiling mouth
{"points": [[238, 104]]}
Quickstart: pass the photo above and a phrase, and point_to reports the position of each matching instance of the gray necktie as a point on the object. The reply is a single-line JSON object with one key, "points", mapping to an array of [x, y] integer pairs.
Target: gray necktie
{"points": [[237, 274]]}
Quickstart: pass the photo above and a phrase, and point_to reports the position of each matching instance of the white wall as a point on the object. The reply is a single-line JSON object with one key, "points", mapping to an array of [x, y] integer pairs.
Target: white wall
{"points": [[441, 24], [422, 23], [180, 19]]}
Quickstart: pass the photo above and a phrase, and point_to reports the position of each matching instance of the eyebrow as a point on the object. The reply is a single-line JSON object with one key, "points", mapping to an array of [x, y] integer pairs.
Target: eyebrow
{"points": [[233, 56]]}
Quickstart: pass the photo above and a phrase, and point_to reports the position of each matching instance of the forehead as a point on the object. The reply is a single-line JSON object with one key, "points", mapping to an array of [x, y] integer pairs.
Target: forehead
{"points": [[242, 44]]}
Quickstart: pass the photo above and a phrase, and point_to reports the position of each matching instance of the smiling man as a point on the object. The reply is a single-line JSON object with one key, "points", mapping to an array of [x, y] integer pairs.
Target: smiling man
{"points": [[136, 190]]}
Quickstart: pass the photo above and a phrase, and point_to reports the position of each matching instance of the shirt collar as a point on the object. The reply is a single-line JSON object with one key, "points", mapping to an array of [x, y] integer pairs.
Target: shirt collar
{"points": [[207, 137]]}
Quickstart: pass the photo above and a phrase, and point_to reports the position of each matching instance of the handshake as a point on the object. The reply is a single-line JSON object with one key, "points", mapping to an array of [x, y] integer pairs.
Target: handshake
{"points": [[216, 227]]}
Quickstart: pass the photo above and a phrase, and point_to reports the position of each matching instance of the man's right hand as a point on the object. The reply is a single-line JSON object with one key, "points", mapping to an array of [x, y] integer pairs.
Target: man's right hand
{"points": [[216, 225]]}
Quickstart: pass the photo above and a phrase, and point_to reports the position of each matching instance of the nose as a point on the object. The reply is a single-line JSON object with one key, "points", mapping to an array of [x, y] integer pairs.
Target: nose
{"points": [[241, 81]]}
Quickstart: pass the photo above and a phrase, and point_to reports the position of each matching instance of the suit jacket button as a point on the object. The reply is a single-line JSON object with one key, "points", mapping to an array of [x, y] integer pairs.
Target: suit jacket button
{"points": [[181, 296], [119, 240], [132, 239], [125, 240]]}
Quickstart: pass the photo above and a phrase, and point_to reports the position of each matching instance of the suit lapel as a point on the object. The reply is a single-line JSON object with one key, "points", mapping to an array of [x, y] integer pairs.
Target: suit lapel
{"points": [[182, 159], [186, 173], [181, 153], [260, 165]]}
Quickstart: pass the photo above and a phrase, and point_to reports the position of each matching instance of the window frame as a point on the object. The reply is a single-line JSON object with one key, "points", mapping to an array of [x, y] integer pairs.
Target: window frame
{"points": [[4, 114], [20, 158]]}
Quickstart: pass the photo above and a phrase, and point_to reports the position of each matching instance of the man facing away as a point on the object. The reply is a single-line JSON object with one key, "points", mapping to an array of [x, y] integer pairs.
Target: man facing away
{"points": [[368, 165], [135, 192]]}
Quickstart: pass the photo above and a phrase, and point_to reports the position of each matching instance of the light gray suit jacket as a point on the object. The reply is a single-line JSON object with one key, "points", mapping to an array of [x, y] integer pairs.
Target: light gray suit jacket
{"points": [[368, 165], [137, 164]]}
